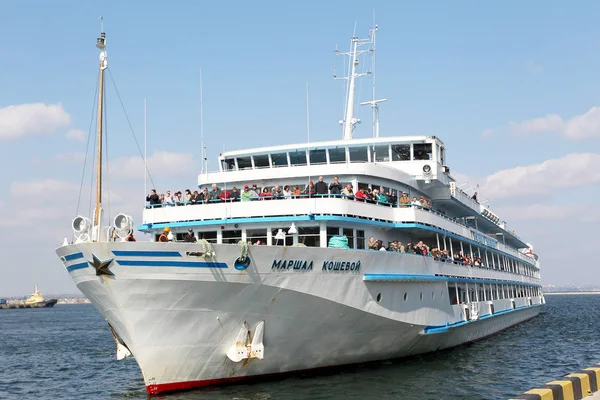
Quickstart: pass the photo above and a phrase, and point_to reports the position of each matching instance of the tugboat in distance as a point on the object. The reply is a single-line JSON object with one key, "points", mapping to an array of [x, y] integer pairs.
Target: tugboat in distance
{"points": [[36, 300]]}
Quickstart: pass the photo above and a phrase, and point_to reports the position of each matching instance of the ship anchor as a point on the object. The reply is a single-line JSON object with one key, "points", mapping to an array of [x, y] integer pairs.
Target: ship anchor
{"points": [[243, 348]]}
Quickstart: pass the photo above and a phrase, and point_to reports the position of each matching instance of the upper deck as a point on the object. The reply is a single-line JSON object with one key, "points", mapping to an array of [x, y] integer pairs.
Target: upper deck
{"points": [[416, 156], [415, 164]]}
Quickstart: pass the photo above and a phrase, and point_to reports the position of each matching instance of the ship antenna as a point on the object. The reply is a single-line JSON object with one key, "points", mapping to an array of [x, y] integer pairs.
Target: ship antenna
{"points": [[100, 44], [374, 103], [350, 121]]}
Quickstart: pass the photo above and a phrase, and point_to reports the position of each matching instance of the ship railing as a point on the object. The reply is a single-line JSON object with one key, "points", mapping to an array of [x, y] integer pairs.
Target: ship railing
{"points": [[456, 221]]}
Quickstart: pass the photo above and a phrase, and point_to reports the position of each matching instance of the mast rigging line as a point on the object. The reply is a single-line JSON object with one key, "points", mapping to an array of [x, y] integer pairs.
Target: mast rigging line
{"points": [[131, 127], [87, 147], [105, 114]]}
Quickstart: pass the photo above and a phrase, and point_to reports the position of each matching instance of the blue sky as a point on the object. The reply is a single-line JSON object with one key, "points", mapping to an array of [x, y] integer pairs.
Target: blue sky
{"points": [[504, 84]]}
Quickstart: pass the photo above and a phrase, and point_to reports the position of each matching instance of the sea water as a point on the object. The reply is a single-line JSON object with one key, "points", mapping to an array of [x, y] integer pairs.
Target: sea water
{"points": [[67, 352]]}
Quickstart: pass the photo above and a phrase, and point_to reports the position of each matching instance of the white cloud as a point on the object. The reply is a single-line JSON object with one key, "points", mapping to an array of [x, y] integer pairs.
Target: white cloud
{"points": [[162, 164], [584, 126], [36, 161], [70, 158], [488, 132], [549, 123], [31, 119], [76, 134], [43, 190], [572, 170], [539, 211]]}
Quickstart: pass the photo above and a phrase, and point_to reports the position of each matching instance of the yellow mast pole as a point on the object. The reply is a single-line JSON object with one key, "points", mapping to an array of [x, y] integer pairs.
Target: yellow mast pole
{"points": [[101, 44]]}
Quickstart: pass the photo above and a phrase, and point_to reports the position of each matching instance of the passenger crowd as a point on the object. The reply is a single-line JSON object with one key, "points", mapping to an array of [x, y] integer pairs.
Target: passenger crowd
{"points": [[319, 189], [422, 249]]}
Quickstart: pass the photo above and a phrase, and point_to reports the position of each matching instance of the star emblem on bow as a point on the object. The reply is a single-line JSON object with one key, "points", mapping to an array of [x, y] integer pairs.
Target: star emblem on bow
{"points": [[100, 266]]}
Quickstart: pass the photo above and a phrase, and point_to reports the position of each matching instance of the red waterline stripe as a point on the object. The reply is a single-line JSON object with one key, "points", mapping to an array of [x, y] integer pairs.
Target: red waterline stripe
{"points": [[179, 386]]}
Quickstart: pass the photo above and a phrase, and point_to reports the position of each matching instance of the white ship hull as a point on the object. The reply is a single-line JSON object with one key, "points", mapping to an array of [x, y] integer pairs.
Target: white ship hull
{"points": [[179, 315]]}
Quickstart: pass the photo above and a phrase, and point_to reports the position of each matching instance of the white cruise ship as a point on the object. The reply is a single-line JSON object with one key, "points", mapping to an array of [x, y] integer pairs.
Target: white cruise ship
{"points": [[309, 278]]}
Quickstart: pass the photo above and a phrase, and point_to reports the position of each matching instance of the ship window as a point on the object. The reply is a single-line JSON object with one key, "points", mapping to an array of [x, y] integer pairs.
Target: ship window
{"points": [[210, 237], [401, 152], [261, 161], [422, 151], [256, 235], [244, 163], [229, 164], [362, 185], [279, 159], [332, 231], [381, 153], [349, 233], [360, 239], [298, 157], [309, 236], [232, 237], [287, 241], [452, 295], [358, 154], [318, 156], [337, 155], [179, 237]]}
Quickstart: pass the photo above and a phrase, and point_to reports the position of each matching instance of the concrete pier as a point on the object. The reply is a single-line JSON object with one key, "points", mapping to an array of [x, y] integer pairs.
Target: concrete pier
{"points": [[575, 386]]}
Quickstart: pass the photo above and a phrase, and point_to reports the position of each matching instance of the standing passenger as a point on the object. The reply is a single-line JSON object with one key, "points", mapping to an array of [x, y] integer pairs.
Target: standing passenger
{"points": [[335, 188]]}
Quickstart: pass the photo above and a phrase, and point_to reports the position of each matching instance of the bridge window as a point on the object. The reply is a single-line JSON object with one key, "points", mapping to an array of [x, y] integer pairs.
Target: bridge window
{"points": [[358, 154], [261, 161], [279, 159], [229, 164], [349, 233], [210, 237], [244, 163], [381, 153], [332, 231], [337, 155], [298, 157], [422, 151], [318, 156], [309, 236], [401, 152], [360, 239], [232, 237], [256, 235]]}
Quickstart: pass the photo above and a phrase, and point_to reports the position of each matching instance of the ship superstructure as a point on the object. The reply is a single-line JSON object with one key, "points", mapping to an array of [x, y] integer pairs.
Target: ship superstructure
{"points": [[302, 278]]}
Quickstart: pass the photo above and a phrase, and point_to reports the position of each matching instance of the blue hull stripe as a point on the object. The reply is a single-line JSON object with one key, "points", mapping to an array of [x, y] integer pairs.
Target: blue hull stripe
{"points": [[140, 253], [445, 328], [435, 278], [179, 264], [74, 256], [74, 267]]}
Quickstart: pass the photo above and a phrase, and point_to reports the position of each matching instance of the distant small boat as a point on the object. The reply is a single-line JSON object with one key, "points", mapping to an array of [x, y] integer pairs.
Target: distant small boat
{"points": [[36, 300]]}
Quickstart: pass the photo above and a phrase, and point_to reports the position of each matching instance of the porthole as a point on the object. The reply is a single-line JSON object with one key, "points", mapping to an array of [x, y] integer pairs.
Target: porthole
{"points": [[421, 296], [405, 296], [378, 297]]}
